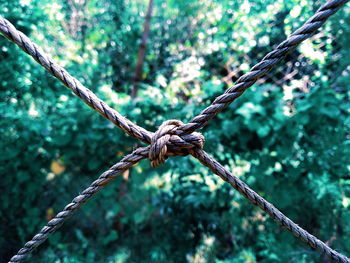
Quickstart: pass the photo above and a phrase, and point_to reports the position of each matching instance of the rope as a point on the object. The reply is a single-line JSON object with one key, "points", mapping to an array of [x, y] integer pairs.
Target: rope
{"points": [[166, 143], [10, 32], [259, 201], [77, 202], [263, 67], [173, 137]]}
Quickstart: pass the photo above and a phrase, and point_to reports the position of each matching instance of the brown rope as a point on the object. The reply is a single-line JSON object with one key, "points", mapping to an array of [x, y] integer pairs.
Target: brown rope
{"points": [[264, 66], [77, 202], [166, 143], [10, 32], [173, 137], [259, 201]]}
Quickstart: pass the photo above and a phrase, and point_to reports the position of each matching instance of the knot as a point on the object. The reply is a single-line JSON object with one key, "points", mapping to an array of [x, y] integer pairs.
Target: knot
{"points": [[165, 142]]}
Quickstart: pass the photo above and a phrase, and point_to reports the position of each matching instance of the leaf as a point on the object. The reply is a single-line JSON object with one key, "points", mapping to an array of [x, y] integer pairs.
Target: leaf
{"points": [[112, 236], [248, 109], [263, 130], [57, 167]]}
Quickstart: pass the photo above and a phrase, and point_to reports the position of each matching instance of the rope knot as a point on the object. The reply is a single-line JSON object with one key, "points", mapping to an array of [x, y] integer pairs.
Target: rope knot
{"points": [[166, 142]]}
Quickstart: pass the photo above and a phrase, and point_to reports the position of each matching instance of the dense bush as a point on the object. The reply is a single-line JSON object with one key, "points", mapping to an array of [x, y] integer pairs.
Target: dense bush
{"points": [[288, 138]]}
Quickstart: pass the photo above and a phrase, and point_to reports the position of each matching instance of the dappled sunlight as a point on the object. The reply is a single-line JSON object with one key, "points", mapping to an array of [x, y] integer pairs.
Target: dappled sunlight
{"points": [[286, 137]]}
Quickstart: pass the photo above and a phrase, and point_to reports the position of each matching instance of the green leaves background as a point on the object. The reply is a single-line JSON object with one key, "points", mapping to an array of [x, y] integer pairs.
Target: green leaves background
{"points": [[289, 140]]}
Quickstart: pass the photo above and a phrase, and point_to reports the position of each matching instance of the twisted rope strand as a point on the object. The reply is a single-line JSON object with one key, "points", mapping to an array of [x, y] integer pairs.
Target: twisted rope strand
{"points": [[77, 202], [263, 67], [259, 201], [10, 32], [174, 138]]}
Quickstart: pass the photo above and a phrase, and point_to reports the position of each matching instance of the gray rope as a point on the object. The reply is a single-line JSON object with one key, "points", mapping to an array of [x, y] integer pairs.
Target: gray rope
{"points": [[257, 200], [77, 202], [10, 32], [263, 67], [166, 142], [173, 137]]}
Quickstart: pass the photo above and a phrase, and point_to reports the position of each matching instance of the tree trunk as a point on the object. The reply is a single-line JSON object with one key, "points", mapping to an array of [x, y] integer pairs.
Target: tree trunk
{"points": [[142, 51]]}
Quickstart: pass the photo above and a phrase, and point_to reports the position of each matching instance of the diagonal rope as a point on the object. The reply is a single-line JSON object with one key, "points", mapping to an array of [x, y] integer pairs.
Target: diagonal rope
{"points": [[172, 137], [259, 201], [263, 67], [77, 202], [10, 32]]}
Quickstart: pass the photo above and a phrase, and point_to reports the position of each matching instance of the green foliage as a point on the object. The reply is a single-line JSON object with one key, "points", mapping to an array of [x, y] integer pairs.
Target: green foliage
{"points": [[289, 140]]}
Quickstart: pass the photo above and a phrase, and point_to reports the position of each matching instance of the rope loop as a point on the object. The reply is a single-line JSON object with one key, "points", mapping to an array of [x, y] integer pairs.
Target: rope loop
{"points": [[166, 142], [173, 137]]}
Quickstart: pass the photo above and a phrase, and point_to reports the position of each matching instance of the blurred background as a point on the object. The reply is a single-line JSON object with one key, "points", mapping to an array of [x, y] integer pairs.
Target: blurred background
{"points": [[288, 136]]}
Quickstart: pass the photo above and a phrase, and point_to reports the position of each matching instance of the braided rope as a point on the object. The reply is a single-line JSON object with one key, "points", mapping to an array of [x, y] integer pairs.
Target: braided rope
{"points": [[165, 142], [263, 67], [77, 202], [172, 137], [10, 32], [259, 201]]}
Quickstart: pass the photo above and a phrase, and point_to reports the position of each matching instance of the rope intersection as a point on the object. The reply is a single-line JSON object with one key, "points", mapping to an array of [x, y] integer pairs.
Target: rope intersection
{"points": [[166, 142], [174, 137]]}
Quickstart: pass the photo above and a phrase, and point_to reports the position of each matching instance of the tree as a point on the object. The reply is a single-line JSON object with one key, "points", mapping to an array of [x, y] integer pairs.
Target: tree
{"points": [[142, 50]]}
